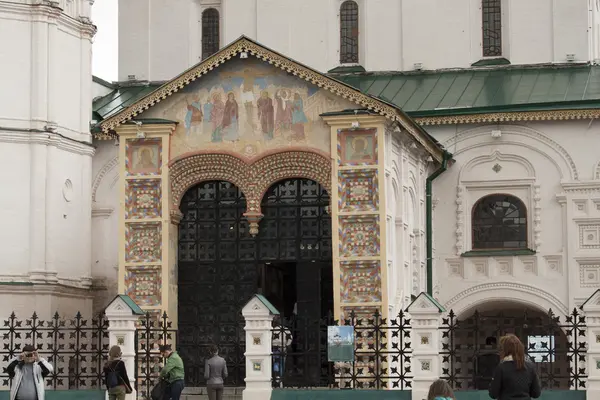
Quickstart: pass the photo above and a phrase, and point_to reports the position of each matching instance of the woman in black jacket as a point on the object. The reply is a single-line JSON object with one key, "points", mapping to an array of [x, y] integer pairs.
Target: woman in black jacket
{"points": [[115, 375], [514, 378]]}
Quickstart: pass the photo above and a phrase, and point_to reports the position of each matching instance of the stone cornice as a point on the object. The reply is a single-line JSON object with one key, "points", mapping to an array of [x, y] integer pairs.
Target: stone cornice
{"points": [[48, 139], [548, 115], [49, 12], [581, 187]]}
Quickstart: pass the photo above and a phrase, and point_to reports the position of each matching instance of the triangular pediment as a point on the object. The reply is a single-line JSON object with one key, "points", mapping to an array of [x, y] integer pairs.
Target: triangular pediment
{"points": [[322, 93], [424, 303], [259, 305], [123, 305]]}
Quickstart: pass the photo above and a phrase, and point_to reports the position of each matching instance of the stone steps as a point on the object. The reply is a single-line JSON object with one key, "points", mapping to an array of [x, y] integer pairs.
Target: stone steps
{"points": [[199, 393]]}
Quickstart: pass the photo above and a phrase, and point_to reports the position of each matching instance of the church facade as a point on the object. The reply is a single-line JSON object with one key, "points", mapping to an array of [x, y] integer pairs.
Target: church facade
{"points": [[469, 174]]}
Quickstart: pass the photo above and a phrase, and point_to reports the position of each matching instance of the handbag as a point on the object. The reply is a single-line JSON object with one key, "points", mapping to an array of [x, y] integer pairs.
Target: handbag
{"points": [[158, 391]]}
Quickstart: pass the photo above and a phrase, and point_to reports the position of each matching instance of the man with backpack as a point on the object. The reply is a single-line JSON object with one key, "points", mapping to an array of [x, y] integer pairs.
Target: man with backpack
{"points": [[28, 371]]}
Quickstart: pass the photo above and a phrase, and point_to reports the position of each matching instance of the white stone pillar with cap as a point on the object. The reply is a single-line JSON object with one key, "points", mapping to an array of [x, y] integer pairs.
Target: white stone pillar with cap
{"points": [[122, 314], [425, 313], [258, 314]]}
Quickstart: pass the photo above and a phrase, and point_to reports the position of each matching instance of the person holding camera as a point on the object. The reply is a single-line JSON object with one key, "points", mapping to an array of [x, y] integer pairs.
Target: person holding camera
{"points": [[28, 371]]}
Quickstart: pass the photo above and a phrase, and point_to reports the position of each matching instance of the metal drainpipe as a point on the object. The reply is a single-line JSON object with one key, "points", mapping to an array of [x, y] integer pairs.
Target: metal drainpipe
{"points": [[429, 216]]}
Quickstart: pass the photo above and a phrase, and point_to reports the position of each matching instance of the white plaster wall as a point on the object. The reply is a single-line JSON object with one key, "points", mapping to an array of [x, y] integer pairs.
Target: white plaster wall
{"points": [[46, 153], [105, 206], [558, 159], [159, 38], [406, 173], [99, 90]]}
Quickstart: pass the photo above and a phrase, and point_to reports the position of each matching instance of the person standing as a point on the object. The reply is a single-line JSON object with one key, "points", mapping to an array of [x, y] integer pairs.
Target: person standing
{"points": [[115, 375], [514, 378], [215, 373], [172, 373], [28, 371]]}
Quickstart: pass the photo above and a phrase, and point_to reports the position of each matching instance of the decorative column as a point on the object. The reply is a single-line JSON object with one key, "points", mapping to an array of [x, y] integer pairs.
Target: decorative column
{"points": [[258, 314], [426, 363], [591, 308], [122, 314]]}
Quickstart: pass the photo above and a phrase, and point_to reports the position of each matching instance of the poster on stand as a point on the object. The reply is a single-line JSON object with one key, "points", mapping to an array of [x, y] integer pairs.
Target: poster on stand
{"points": [[340, 343]]}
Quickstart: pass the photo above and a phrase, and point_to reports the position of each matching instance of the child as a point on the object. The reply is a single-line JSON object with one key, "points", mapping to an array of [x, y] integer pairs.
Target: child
{"points": [[440, 390]]}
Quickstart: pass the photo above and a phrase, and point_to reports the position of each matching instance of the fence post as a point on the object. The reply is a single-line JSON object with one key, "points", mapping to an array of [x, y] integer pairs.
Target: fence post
{"points": [[258, 314], [122, 314], [591, 309], [426, 365]]}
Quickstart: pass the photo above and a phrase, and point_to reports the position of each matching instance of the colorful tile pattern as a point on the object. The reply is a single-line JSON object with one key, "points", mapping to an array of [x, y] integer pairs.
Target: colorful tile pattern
{"points": [[358, 190], [144, 156], [359, 236], [144, 284], [143, 242], [360, 281], [357, 147], [143, 199]]}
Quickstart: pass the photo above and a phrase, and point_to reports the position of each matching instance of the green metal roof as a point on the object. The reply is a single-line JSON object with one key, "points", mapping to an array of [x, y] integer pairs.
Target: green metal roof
{"points": [[437, 93], [119, 99], [473, 91]]}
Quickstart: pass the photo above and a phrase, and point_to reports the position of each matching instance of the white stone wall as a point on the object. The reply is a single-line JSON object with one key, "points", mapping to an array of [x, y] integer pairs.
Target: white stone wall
{"points": [[45, 155], [552, 168], [406, 173], [160, 38], [105, 217]]}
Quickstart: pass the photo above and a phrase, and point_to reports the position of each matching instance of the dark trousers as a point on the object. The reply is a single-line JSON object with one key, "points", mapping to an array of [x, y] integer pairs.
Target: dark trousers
{"points": [[174, 390], [215, 392]]}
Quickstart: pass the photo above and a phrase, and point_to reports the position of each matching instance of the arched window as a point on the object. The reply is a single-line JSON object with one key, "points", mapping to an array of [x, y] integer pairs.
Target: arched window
{"points": [[349, 32], [499, 223], [492, 27], [210, 32]]}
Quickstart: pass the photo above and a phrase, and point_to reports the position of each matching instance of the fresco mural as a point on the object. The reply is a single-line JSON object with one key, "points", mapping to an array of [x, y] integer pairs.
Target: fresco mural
{"points": [[248, 106]]}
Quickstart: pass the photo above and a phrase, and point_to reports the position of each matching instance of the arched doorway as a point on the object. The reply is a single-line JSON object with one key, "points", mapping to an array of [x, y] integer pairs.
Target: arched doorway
{"points": [[221, 265]]}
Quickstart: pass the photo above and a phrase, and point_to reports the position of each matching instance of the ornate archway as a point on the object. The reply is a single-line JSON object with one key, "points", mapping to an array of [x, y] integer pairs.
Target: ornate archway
{"points": [[253, 176]]}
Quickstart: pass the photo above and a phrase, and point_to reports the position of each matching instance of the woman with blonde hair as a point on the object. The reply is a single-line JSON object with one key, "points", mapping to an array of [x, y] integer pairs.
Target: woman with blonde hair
{"points": [[115, 375], [440, 390], [514, 378]]}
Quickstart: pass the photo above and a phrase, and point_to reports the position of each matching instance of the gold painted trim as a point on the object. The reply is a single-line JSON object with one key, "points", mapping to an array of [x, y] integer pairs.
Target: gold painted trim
{"points": [[550, 115], [248, 46]]}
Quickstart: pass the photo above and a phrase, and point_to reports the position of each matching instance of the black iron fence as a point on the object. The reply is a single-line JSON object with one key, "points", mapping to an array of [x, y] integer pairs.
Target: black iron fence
{"points": [[76, 347], [557, 348], [381, 357], [153, 331]]}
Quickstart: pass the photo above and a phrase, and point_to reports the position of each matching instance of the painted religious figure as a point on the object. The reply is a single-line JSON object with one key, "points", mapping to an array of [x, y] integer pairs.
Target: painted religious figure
{"points": [[193, 116], [229, 124], [216, 117], [359, 147], [283, 114], [266, 115], [249, 77], [144, 157], [298, 117]]}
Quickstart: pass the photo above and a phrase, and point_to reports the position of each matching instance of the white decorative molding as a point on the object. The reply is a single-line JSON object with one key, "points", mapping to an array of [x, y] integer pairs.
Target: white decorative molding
{"points": [[580, 206], [48, 139], [67, 191], [100, 175], [460, 219], [554, 264], [519, 132], [529, 265], [102, 212], [589, 272], [589, 235], [533, 294], [456, 267], [504, 266], [497, 157], [583, 187], [596, 173], [537, 217], [481, 267]]}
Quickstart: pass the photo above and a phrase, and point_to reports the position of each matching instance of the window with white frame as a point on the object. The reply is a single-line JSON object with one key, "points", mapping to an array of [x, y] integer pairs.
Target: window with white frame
{"points": [[491, 28], [499, 222], [349, 32], [210, 32]]}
